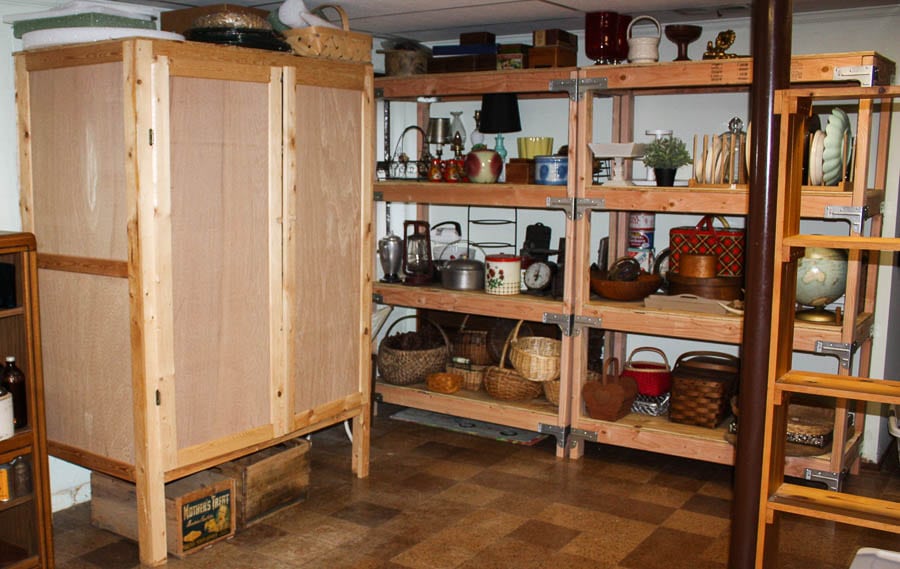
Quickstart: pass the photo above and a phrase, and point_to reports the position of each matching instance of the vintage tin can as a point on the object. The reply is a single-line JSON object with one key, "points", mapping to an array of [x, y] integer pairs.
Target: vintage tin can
{"points": [[641, 227], [6, 483], [502, 274]]}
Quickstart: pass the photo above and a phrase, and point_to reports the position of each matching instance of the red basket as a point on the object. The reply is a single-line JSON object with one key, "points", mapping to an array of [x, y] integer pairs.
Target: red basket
{"points": [[653, 378]]}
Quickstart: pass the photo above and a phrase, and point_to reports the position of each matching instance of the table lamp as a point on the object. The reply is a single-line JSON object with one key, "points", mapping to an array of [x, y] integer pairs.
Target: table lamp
{"points": [[499, 114]]}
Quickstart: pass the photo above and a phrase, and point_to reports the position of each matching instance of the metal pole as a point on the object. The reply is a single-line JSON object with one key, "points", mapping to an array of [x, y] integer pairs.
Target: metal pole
{"points": [[771, 40]]}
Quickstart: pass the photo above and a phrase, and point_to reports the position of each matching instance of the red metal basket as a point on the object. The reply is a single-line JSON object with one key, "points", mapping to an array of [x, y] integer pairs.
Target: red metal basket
{"points": [[653, 378]]}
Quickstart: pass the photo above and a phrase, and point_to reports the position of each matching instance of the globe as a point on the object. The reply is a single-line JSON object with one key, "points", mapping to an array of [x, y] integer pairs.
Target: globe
{"points": [[821, 279]]}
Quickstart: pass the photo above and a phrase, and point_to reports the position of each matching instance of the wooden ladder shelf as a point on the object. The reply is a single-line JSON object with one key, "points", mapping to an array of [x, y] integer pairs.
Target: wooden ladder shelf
{"points": [[777, 496]]}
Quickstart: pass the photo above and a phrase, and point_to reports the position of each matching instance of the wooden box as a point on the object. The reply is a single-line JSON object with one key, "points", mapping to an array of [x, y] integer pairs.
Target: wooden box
{"points": [[520, 171], [469, 38], [462, 63], [268, 480], [555, 56], [199, 510], [552, 38]]}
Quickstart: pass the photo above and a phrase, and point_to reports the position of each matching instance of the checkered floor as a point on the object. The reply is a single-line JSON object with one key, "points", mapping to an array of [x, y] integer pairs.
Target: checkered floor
{"points": [[437, 499]]}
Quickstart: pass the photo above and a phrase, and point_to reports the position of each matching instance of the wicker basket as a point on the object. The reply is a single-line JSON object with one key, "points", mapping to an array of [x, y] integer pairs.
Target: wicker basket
{"points": [[405, 367], [472, 375], [551, 388], [653, 378], [535, 357], [471, 345], [702, 385], [331, 43], [508, 384], [444, 382]]}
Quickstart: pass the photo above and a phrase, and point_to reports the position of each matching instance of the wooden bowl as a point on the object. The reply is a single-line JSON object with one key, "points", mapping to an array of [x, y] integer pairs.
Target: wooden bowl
{"points": [[645, 285]]}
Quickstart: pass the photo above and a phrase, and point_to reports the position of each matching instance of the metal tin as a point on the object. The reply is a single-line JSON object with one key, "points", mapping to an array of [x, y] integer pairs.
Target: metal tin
{"points": [[641, 229], [462, 274], [502, 274], [551, 170], [6, 483]]}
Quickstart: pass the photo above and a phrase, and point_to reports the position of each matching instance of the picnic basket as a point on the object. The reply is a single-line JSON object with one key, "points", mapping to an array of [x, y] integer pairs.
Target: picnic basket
{"points": [[331, 43]]}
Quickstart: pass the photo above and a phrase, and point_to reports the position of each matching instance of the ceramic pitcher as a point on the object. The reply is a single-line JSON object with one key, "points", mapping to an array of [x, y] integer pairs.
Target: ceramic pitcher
{"points": [[643, 49]]}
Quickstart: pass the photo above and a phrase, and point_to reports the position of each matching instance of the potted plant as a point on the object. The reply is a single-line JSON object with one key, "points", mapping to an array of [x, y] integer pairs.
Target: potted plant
{"points": [[665, 156]]}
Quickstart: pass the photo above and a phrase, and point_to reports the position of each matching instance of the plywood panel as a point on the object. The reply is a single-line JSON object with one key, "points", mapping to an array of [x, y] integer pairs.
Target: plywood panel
{"points": [[86, 363], [79, 161], [219, 144], [326, 252]]}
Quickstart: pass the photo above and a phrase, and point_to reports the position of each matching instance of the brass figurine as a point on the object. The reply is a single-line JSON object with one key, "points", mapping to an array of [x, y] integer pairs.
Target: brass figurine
{"points": [[724, 40]]}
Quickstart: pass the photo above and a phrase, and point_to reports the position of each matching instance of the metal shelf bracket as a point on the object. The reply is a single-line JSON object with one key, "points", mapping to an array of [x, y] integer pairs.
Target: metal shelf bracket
{"points": [[865, 74], [565, 204], [843, 351], [833, 480], [574, 434], [580, 322], [564, 321], [576, 88], [855, 214], [561, 433]]}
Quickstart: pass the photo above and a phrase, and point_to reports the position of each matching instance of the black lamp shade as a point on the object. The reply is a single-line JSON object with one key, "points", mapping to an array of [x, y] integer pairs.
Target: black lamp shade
{"points": [[500, 113]]}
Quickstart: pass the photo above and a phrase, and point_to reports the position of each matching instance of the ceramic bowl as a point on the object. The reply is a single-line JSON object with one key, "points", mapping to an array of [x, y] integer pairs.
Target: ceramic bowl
{"points": [[551, 170]]}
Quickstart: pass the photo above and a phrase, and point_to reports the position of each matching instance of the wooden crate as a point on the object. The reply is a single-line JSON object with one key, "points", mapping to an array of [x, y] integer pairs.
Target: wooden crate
{"points": [[553, 56], [268, 480], [199, 510]]}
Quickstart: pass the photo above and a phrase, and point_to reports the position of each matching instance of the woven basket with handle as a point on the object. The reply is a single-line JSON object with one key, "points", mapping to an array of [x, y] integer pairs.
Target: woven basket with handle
{"points": [[331, 43], [471, 345], [405, 367], [508, 384], [535, 357], [472, 374]]}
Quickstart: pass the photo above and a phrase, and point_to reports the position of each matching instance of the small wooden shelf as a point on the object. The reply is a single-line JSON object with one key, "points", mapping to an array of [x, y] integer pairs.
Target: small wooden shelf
{"points": [[495, 195], [15, 502], [517, 306]]}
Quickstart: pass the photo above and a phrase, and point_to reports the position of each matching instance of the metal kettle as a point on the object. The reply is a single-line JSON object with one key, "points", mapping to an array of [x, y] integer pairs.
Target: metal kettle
{"points": [[390, 253]]}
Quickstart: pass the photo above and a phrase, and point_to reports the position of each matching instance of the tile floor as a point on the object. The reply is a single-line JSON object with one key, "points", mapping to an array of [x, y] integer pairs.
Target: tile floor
{"points": [[437, 500]]}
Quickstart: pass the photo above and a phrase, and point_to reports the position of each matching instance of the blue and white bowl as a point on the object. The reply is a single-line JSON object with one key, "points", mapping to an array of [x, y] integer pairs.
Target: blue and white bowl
{"points": [[551, 170]]}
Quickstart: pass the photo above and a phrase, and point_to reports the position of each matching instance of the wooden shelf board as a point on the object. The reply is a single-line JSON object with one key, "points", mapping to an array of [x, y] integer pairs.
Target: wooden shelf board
{"points": [[872, 513], [476, 405], [472, 85], [855, 243], [494, 195], [658, 434], [704, 74], [517, 306], [846, 387]]}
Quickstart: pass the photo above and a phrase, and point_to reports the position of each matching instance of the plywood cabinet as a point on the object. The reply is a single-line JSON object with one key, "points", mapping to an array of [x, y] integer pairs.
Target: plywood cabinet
{"points": [[203, 213]]}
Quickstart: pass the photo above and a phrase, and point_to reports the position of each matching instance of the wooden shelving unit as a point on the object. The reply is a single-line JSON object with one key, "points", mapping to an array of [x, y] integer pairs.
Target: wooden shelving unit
{"points": [[25, 520], [848, 388], [581, 88]]}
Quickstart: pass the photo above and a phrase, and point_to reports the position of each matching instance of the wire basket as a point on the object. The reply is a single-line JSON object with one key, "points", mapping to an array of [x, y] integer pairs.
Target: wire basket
{"points": [[535, 357], [405, 367]]}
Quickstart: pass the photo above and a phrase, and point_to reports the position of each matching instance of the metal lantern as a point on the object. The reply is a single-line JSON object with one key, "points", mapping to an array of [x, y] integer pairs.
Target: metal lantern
{"points": [[418, 266]]}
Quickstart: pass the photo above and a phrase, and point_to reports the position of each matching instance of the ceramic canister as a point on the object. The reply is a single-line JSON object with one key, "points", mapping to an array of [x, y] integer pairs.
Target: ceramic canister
{"points": [[502, 274], [551, 170]]}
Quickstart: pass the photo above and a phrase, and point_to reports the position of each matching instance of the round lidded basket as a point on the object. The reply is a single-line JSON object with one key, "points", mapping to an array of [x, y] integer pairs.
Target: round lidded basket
{"points": [[535, 357], [653, 378], [399, 366]]}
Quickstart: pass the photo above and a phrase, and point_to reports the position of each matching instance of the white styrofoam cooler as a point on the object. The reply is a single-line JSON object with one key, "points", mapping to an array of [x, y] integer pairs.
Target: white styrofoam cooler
{"points": [[871, 558]]}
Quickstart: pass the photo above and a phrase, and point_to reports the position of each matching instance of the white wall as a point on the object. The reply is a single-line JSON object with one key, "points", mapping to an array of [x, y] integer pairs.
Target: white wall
{"points": [[817, 33]]}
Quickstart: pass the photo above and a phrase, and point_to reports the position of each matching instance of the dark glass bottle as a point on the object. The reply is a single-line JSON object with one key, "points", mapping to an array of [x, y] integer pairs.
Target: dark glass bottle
{"points": [[14, 380]]}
